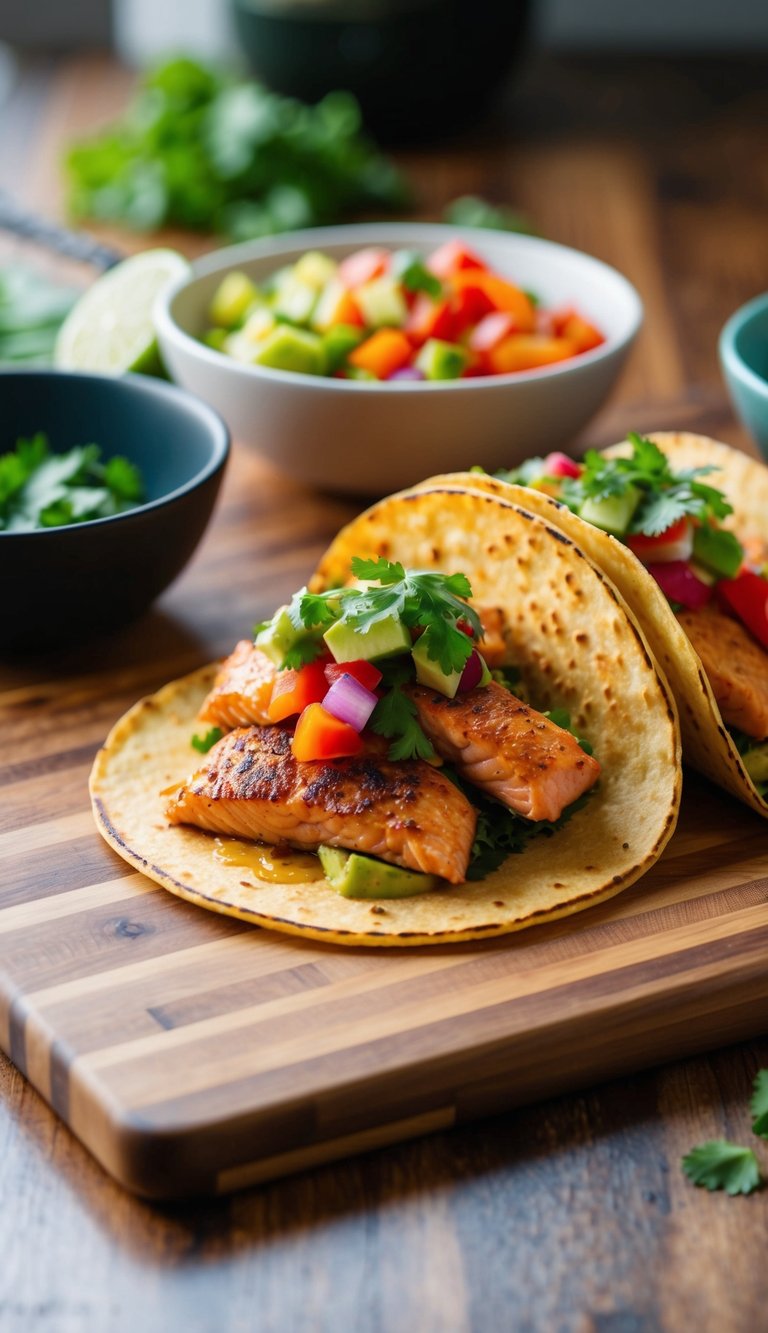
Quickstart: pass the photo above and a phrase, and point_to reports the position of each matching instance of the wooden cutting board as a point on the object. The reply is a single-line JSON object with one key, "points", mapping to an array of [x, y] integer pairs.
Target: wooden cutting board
{"points": [[193, 1054]]}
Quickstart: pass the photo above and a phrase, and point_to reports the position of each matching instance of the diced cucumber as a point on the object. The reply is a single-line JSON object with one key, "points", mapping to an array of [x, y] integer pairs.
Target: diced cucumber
{"points": [[718, 550], [338, 342], [258, 324], [756, 762], [382, 303], [292, 349], [430, 673], [384, 639], [295, 301], [215, 338], [329, 303], [360, 373], [315, 269], [356, 876], [231, 300], [614, 513], [440, 360]]}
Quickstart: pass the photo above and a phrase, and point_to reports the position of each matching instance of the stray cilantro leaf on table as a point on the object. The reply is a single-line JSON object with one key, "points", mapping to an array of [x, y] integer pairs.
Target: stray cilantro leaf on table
{"points": [[720, 1165], [759, 1104], [205, 743]]}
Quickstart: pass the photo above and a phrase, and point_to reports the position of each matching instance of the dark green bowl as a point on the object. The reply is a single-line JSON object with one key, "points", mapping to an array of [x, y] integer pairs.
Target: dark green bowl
{"points": [[60, 585]]}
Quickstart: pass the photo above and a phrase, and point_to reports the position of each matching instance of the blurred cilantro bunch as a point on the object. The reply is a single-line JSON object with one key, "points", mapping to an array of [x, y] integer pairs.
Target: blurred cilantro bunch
{"points": [[203, 150]]}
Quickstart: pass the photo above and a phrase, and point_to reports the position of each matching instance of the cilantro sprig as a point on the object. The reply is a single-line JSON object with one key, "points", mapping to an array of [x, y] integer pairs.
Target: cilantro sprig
{"points": [[207, 741], [665, 496], [721, 1165], [41, 489]]}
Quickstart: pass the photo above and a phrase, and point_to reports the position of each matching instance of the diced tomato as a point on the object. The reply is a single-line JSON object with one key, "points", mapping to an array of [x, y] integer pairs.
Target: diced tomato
{"points": [[451, 258], [570, 324], [363, 266], [560, 465], [674, 544], [293, 690], [429, 319], [490, 331], [528, 351], [364, 672], [501, 294], [383, 353], [468, 306], [747, 597], [320, 735]]}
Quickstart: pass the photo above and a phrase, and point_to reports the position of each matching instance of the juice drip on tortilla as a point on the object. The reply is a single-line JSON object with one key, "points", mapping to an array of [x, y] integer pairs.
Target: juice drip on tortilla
{"points": [[267, 863]]}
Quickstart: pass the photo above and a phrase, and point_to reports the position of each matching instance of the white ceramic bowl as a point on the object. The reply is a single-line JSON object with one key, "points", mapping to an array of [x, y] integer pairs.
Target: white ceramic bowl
{"points": [[353, 436]]}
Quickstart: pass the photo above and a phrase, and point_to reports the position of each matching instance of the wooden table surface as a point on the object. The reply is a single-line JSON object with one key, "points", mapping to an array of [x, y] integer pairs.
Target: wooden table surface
{"points": [[572, 1215]]}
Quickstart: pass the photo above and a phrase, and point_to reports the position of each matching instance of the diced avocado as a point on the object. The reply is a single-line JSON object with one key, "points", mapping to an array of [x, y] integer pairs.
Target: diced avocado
{"points": [[440, 360], [231, 300], [486, 673], [430, 673], [338, 342], [359, 373], [382, 303], [384, 639], [292, 349], [295, 301], [215, 338], [614, 513], [718, 550], [258, 325], [278, 637], [356, 876], [756, 762], [315, 269]]}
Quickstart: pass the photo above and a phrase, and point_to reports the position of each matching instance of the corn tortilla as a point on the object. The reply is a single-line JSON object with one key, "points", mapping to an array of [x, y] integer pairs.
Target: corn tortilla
{"points": [[575, 645]]}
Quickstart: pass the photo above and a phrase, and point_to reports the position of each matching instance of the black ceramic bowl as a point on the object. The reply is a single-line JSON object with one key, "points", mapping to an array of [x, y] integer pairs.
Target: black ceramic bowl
{"points": [[58, 585]]}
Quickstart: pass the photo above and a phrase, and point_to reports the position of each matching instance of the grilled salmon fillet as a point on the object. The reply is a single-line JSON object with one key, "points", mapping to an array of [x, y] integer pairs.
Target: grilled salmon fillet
{"points": [[405, 812], [507, 749], [241, 692], [736, 667]]}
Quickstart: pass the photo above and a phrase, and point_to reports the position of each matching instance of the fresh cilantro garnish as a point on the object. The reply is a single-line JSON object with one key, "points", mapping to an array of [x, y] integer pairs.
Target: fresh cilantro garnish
{"points": [[395, 716], [759, 1104], [409, 268], [204, 743], [562, 718], [531, 470], [720, 1165], [40, 489], [665, 496], [508, 676], [301, 653]]}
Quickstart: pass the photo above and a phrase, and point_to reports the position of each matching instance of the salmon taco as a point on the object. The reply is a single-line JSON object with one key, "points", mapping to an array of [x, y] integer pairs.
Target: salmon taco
{"points": [[456, 731], [679, 523]]}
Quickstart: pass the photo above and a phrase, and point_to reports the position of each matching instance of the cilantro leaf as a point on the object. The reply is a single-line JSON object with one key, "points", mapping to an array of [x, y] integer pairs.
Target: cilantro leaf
{"points": [[42, 489], [377, 570], [720, 1165], [759, 1104], [395, 717], [204, 743], [301, 652]]}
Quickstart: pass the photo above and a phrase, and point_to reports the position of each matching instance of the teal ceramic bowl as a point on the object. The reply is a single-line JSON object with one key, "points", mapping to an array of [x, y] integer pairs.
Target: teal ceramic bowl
{"points": [[63, 585], [744, 359]]}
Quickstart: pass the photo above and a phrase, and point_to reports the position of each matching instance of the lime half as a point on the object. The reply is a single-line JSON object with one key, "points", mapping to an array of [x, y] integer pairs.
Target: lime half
{"points": [[110, 329]]}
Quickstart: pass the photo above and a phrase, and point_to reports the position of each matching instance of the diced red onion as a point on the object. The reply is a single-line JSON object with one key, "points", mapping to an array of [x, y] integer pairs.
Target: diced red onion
{"points": [[560, 465], [350, 701], [407, 373], [472, 673], [679, 584]]}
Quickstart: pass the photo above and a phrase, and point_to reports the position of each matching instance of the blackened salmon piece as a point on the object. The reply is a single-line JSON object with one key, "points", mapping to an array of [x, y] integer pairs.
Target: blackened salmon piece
{"points": [[242, 689], [507, 749], [736, 667], [405, 811]]}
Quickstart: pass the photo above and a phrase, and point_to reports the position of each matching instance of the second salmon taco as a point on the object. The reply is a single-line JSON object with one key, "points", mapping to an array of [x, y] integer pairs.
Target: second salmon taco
{"points": [[456, 731]]}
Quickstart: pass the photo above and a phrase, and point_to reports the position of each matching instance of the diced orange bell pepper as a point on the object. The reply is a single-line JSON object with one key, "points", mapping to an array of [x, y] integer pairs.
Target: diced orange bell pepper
{"points": [[429, 319], [451, 258], [294, 690], [383, 353], [336, 306], [501, 294], [528, 351], [363, 266], [583, 335], [320, 735]]}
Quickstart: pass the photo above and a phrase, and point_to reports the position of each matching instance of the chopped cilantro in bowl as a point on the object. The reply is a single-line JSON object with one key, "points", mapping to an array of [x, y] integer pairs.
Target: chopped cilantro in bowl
{"points": [[43, 489]]}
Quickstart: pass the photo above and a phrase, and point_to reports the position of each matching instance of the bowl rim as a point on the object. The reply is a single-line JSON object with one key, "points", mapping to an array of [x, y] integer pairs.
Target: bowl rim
{"points": [[219, 437], [227, 257], [731, 358]]}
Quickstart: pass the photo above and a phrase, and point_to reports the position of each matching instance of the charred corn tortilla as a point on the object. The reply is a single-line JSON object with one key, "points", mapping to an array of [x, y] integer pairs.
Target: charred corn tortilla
{"points": [[707, 744], [575, 645]]}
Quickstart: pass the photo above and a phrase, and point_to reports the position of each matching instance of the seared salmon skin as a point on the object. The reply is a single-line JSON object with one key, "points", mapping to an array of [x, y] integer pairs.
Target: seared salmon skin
{"points": [[736, 667], [241, 692], [507, 749], [405, 811]]}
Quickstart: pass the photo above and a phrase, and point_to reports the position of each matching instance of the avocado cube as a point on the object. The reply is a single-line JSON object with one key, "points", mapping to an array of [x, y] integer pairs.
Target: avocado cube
{"points": [[430, 673], [231, 300], [440, 360], [292, 349], [612, 514], [356, 876], [295, 301], [338, 342], [756, 762], [278, 637], [381, 303], [386, 638], [315, 269]]}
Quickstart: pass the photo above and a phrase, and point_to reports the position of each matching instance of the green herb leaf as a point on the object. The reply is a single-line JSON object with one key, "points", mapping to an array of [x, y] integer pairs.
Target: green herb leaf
{"points": [[377, 570], [720, 1165], [472, 211], [41, 489], [395, 716], [204, 743], [759, 1104]]}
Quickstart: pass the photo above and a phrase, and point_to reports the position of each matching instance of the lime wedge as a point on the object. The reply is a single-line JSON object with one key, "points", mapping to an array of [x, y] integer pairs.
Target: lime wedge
{"points": [[110, 329]]}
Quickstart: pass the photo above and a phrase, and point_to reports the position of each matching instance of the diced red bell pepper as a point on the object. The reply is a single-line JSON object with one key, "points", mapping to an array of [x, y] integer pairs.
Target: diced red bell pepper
{"points": [[747, 597], [365, 672], [468, 306], [363, 266], [451, 258], [429, 319], [294, 690], [676, 543], [320, 735], [502, 295]]}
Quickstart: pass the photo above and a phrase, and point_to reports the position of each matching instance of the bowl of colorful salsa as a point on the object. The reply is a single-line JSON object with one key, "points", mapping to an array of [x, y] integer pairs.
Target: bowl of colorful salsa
{"points": [[360, 358]]}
